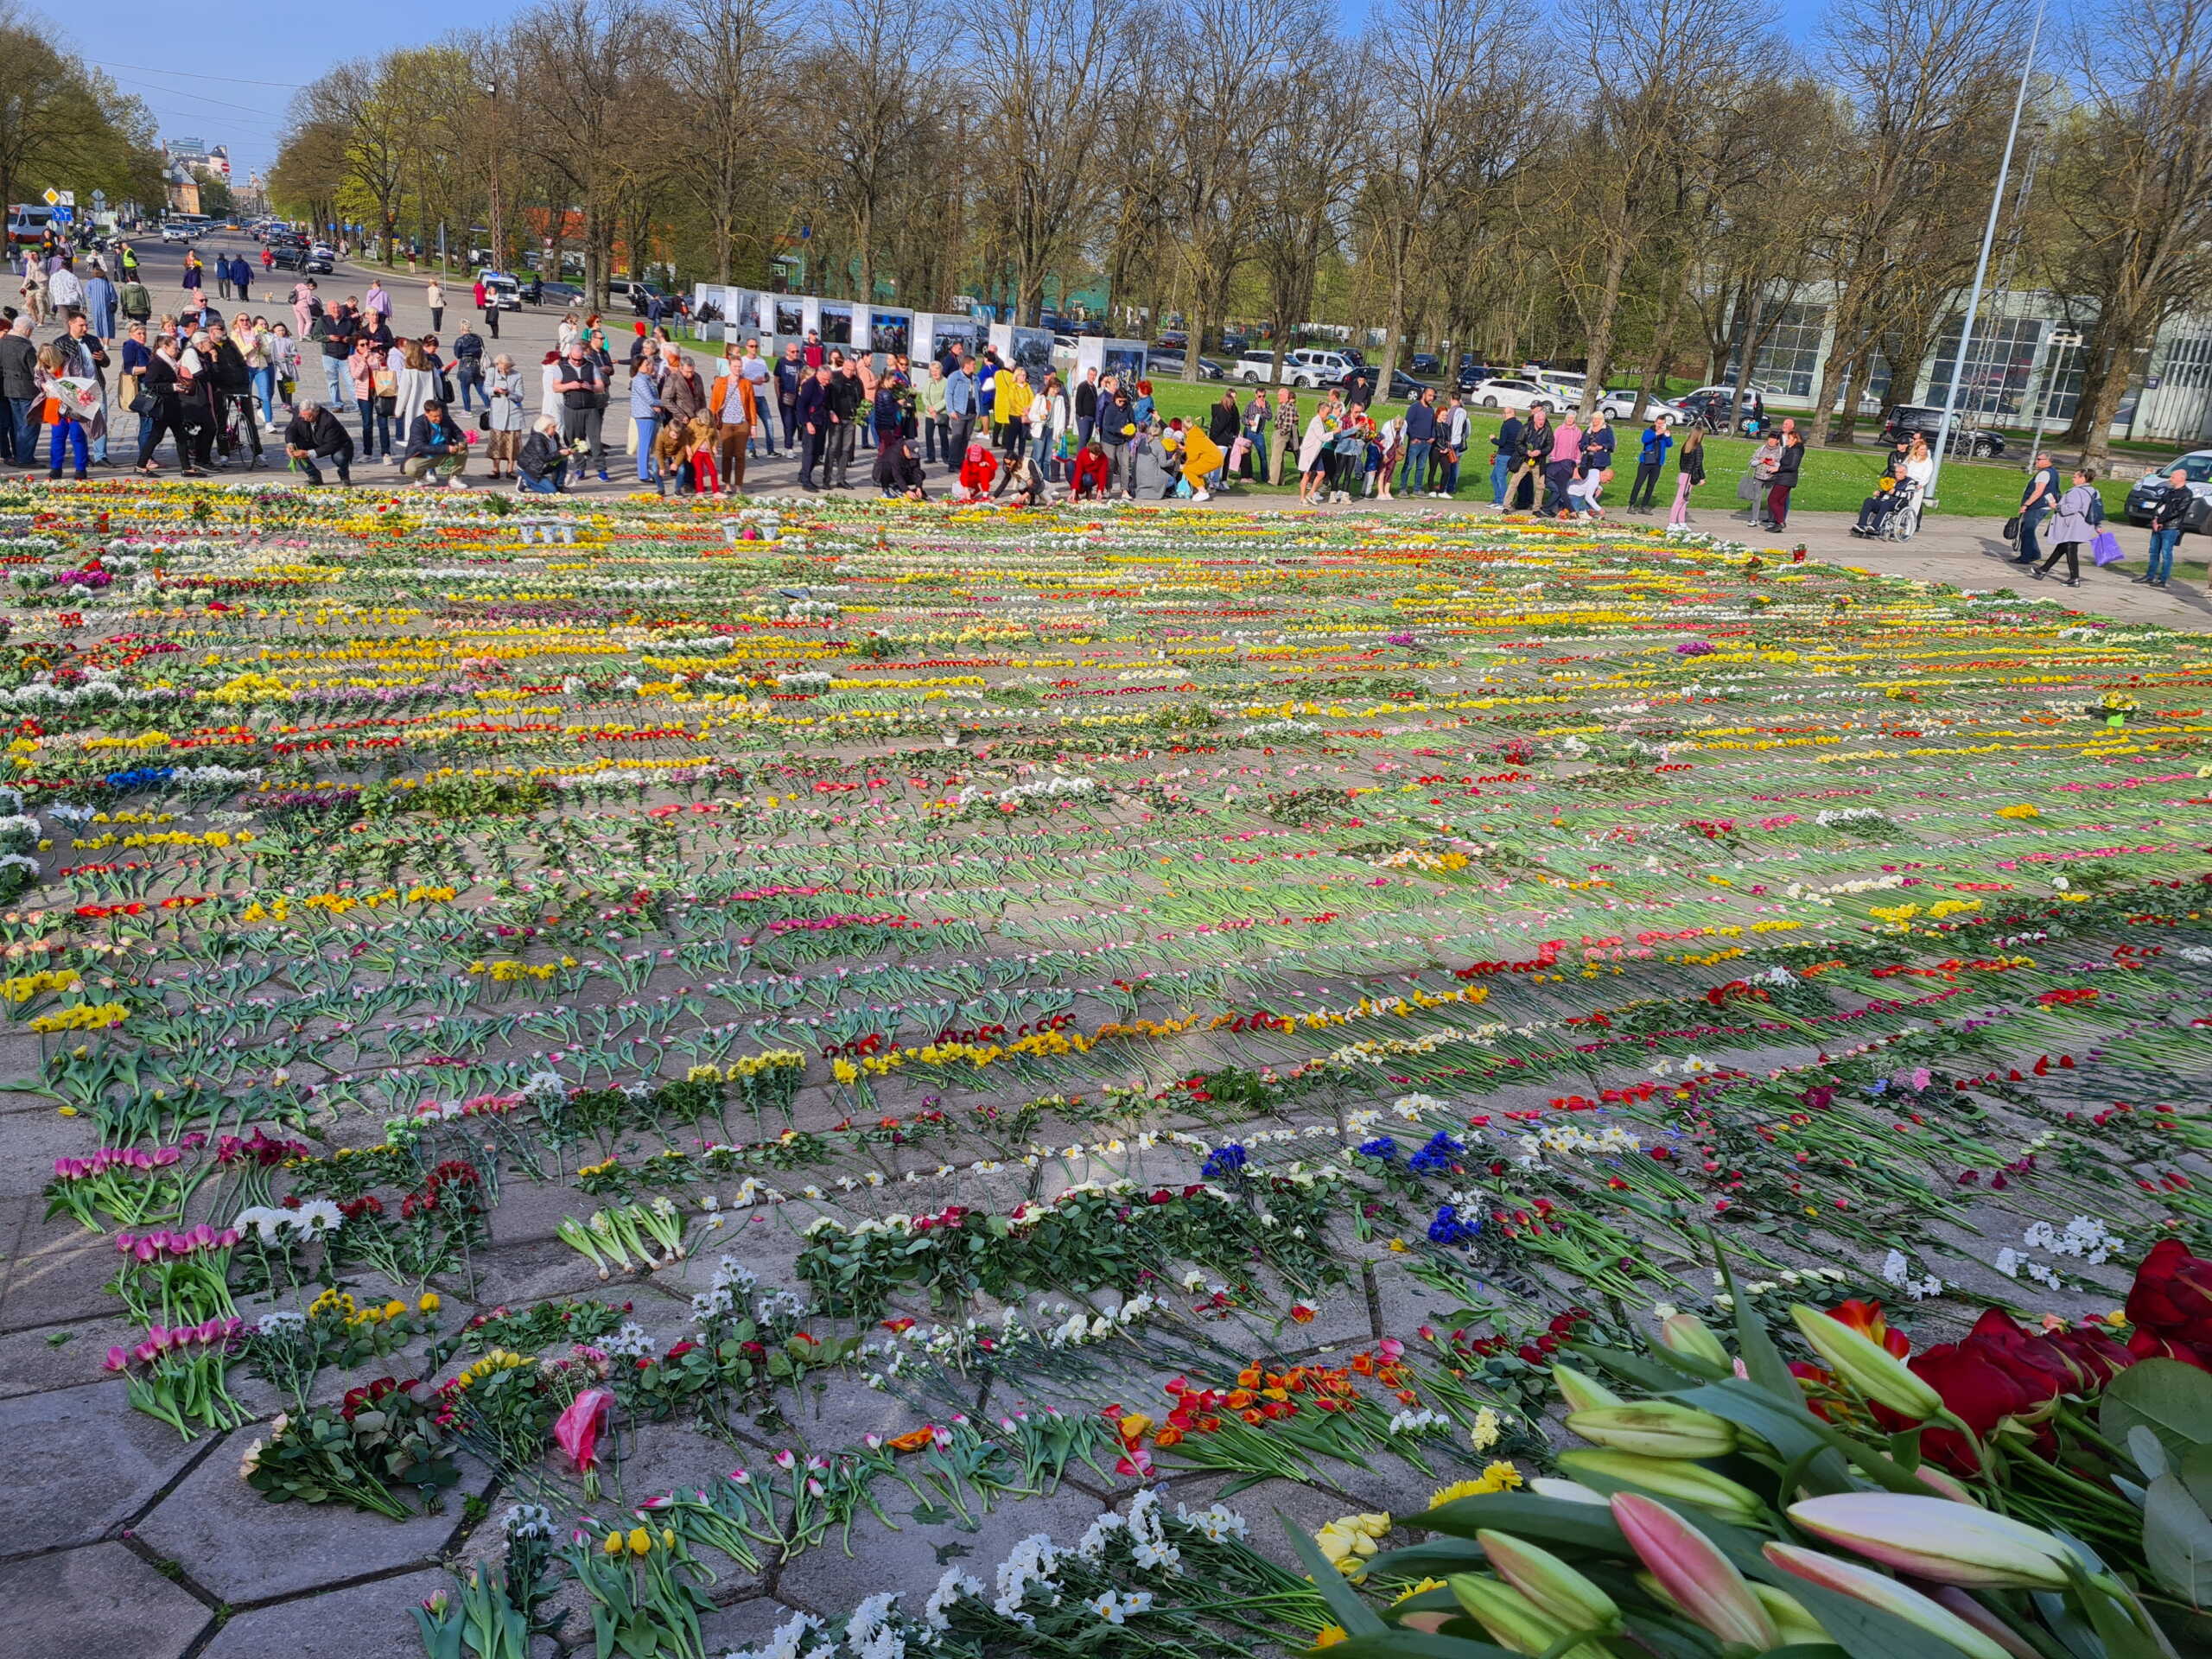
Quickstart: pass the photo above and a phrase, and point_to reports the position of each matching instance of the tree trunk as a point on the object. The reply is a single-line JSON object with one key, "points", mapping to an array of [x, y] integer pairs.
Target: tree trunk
{"points": [[1601, 329], [1653, 382], [2111, 385]]}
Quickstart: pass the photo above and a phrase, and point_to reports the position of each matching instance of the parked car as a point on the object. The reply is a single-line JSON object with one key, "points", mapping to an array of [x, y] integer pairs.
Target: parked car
{"points": [[307, 258], [1361, 381], [1472, 374], [2197, 464], [555, 293], [1518, 391], [1623, 403], [1306, 366], [1426, 365], [1715, 402], [1927, 419], [1170, 343]]}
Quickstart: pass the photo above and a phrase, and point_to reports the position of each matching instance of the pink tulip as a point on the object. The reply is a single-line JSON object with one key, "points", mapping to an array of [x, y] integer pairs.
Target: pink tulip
{"points": [[576, 1431], [116, 1359], [1704, 1583]]}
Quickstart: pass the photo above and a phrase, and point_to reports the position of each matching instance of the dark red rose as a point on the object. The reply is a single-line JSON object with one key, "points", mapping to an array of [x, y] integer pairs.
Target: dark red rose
{"points": [[2172, 1296], [2148, 1345], [2096, 1355]]}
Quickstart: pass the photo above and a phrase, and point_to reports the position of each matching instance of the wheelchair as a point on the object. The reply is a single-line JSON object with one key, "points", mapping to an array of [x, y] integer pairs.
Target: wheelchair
{"points": [[1904, 522]]}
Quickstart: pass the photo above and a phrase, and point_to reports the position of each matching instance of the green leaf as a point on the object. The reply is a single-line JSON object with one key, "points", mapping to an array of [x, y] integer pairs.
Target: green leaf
{"points": [[1432, 1560], [1354, 1614], [2178, 1539], [2148, 1451], [2194, 1468], [1646, 1372], [2173, 1401], [1546, 1520], [1762, 1359]]}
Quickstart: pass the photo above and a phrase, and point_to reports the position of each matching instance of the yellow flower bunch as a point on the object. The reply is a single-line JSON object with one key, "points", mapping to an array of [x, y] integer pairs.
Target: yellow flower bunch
{"points": [[1347, 1541], [333, 1301], [1498, 1477], [82, 1016], [505, 971], [500, 1359], [2022, 811], [21, 988], [638, 1542]]}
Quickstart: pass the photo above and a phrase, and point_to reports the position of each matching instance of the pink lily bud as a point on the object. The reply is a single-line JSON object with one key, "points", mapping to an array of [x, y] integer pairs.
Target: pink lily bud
{"points": [[1702, 1581], [1879, 1590]]}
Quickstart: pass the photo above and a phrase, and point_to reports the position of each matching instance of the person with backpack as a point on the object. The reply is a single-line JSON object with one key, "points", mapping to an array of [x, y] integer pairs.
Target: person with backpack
{"points": [[2081, 509]]}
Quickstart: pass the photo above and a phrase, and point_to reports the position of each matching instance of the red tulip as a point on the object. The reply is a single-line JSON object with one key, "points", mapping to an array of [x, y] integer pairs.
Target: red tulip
{"points": [[1865, 1317]]}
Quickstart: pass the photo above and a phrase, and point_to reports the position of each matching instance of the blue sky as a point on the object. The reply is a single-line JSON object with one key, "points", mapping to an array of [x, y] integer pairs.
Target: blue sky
{"points": [[234, 92]]}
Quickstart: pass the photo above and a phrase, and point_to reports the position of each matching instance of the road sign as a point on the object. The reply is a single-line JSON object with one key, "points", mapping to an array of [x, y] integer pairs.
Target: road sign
{"points": [[68, 198], [53, 197], [99, 198]]}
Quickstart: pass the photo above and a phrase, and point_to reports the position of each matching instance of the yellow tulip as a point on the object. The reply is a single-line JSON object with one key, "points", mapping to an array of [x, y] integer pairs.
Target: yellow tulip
{"points": [[640, 1541], [613, 1545]]}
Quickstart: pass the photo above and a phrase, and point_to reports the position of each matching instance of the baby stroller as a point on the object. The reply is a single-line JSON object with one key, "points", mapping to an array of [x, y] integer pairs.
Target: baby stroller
{"points": [[1904, 522]]}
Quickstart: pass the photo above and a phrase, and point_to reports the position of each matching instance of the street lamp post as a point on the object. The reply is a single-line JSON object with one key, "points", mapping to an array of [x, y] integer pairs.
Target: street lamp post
{"points": [[1981, 266], [2055, 344], [492, 147]]}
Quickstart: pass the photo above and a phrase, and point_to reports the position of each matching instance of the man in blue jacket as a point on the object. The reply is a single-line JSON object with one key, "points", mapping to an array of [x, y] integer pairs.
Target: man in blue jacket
{"points": [[1420, 433], [961, 402], [1506, 445]]}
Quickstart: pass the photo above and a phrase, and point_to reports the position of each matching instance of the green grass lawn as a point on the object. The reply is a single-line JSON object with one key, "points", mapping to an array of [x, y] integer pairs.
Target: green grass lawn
{"points": [[1834, 480]]}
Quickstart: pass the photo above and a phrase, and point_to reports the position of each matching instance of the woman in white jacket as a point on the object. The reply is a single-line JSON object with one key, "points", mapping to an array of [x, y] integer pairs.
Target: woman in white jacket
{"points": [[1050, 415], [417, 383]]}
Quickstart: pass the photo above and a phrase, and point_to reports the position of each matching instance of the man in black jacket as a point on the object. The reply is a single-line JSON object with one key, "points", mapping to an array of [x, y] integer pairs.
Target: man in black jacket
{"points": [[314, 434], [1505, 454], [1116, 415], [19, 385], [468, 366], [2170, 511], [844, 395], [338, 324], [814, 419], [234, 389], [1086, 407]]}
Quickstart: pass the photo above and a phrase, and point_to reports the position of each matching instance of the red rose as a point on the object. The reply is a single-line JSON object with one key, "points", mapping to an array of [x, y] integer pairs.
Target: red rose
{"points": [[2092, 1352], [2172, 1296], [2147, 1344]]}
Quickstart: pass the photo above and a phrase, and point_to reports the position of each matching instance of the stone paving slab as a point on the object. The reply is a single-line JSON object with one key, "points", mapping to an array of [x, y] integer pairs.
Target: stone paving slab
{"points": [[366, 1621], [80, 1467], [102, 1603], [244, 1548]]}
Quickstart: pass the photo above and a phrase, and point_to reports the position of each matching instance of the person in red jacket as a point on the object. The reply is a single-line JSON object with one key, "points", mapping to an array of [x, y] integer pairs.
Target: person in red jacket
{"points": [[1092, 471], [978, 466]]}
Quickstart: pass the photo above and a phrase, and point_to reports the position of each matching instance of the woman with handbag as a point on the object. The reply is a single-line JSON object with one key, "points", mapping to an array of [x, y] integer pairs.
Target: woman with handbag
{"points": [[1782, 481], [160, 404], [413, 383], [1757, 478], [376, 390], [502, 418], [2081, 509]]}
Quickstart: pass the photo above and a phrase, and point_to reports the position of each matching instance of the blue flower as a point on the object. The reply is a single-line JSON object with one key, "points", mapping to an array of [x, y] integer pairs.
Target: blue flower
{"points": [[1228, 1161], [1450, 1228], [1438, 1156], [1381, 1147]]}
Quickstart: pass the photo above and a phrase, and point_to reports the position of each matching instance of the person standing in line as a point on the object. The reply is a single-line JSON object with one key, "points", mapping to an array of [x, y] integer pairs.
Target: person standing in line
{"points": [[1086, 408], [2081, 509], [339, 328], [929, 400], [753, 368], [2169, 510], [65, 292], [1420, 438], [433, 295], [222, 276], [815, 421], [468, 366], [503, 398], [644, 412], [135, 299], [790, 375], [1117, 433], [136, 352], [1784, 480], [99, 302], [1690, 472], [734, 402], [1288, 435], [1561, 466], [1505, 457], [1753, 488], [1651, 458], [161, 383], [578, 382], [1255, 435], [376, 303], [960, 407], [2037, 500], [242, 280], [1453, 428]]}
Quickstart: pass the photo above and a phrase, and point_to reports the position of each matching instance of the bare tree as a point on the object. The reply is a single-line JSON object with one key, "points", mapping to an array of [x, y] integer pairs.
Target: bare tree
{"points": [[1304, 169], [2134, 184], [729, 51]]}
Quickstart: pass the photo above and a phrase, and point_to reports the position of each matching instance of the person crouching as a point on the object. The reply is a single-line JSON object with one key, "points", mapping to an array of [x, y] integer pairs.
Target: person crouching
{"points": [[314, 434]]}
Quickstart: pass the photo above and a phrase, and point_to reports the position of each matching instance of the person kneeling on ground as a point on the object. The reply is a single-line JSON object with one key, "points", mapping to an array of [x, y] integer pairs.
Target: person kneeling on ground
{"points": [[314, 434], [1093, 472], [978, 466], [1202, 459], [1022, 483], [1582, 495], [1874, 511], [898, 470], [542, 463], [437, 450]]}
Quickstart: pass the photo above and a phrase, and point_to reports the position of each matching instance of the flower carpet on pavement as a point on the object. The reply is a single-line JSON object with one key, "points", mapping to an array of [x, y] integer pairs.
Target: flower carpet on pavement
{"points": [[627, 1078]]}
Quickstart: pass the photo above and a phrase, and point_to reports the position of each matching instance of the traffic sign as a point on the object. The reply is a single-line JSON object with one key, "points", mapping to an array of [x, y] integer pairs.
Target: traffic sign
{"points": [[99, 198], [68, 198], [53, 197]]}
